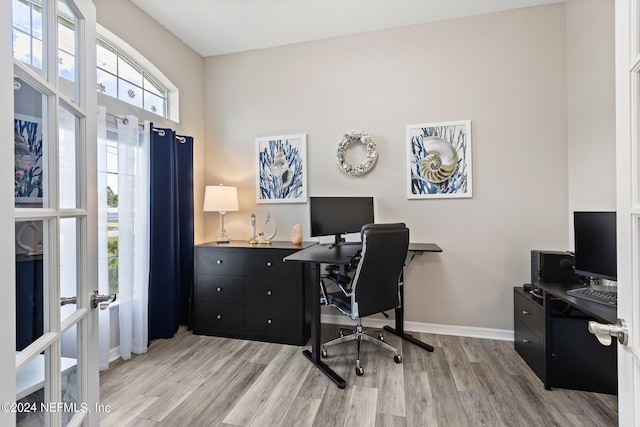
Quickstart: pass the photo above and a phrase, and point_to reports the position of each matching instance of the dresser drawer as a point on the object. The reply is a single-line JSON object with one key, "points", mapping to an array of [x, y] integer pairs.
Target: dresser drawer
{"points": [[210, 317], [529, 346], [271, 321], [269, 263], [220, 261], [219, 288], [272, 292], [528, 312]]}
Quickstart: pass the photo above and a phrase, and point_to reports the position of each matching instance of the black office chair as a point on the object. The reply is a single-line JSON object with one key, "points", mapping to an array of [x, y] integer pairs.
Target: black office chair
{"points": [[375, 285], [339, 275]]}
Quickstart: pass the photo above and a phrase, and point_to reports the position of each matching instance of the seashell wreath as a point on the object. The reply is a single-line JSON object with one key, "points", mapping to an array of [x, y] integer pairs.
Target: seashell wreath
{"points": [[372, 153]]}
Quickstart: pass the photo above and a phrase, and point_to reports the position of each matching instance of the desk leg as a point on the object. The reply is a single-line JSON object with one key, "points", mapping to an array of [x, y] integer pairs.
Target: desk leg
{"points": [[399, 330], [314, 354]]}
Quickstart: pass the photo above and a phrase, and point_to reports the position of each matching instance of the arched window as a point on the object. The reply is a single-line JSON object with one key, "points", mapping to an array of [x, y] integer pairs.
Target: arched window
{"points": [[126, 75], [122, 77]]}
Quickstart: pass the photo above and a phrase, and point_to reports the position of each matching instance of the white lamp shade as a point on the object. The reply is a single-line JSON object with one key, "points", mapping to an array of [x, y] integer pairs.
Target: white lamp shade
{"points": [[220, 198]]}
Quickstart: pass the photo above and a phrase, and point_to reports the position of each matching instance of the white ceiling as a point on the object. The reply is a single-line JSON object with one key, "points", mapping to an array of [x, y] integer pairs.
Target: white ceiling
{"points": [[216, 27]]}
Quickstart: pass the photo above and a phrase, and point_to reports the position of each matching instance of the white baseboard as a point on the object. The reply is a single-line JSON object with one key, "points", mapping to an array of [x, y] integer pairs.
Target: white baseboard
{"points": [[428, 328], [114, 354]]}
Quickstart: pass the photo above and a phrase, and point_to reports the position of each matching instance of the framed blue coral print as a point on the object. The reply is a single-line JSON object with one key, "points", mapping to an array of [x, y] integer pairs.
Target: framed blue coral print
{"points": [[281, 175], [439, 160]]}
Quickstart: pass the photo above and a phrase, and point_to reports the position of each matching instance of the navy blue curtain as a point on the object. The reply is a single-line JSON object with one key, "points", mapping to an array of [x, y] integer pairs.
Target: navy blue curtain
{"points": [[171, 232]]}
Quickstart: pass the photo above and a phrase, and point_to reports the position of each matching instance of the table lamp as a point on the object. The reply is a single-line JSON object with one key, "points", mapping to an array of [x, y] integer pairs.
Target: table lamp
{"points": [[221, 199]]}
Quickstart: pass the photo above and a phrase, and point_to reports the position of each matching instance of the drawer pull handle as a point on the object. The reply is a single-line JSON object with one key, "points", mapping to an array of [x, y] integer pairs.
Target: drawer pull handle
{"points": [[525, 312], [219, 261], [525, 341], [269, 293], [218, 289], [219, 316], [269, 321], [268, 263]]}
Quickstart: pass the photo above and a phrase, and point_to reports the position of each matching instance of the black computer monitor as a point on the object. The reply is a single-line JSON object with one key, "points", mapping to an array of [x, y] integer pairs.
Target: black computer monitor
{"points": [[595, 244], [335, 216]]}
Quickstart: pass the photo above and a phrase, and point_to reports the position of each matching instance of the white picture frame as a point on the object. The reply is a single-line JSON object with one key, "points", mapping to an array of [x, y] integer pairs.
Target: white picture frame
{"points": [[281, 169], [439, 161]]}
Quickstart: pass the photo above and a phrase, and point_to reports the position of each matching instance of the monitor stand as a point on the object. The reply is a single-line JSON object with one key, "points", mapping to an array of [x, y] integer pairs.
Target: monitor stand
{"points": [[341, 241], [338, 241]]}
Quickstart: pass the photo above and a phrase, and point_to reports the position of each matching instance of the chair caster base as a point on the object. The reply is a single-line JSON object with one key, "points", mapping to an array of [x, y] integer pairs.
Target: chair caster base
{"points": [[359, 371], [397, 358], [323, 353]]}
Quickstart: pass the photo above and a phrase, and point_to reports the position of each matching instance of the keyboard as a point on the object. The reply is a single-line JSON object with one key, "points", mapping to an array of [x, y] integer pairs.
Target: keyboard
{"points": [[601, 297]]}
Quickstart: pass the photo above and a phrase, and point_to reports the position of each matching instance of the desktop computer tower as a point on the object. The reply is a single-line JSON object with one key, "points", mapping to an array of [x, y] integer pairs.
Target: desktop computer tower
{"points": [[552, 267]]}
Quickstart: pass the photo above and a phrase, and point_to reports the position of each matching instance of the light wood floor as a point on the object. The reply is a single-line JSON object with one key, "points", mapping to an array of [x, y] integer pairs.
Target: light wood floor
{"points": [[196, 380]]}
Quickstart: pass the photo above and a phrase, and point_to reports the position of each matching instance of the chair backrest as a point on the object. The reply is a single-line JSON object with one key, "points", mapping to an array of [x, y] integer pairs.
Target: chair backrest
{"points": [[375, 283]]}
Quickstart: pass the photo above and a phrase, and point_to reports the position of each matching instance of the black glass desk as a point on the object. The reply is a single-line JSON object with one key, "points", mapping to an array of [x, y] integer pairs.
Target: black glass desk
{"points": [[342, 254]]}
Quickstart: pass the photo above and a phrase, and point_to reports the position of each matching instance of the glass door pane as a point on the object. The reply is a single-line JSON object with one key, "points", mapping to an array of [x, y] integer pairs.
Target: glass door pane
{"points": [[30, 146], [69, 263], [31, 389], [67, 56], [69, 361], [28, 34], [29, 283], [68, 131]]}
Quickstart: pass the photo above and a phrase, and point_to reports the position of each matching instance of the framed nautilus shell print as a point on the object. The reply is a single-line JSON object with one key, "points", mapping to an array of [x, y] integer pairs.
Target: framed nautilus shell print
{"points": [[439, 160], [281, 175]]}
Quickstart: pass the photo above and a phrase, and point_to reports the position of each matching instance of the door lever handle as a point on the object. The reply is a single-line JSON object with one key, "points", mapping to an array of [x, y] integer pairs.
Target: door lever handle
{"points": [[605, 332], [101, 300], [68, 300]]}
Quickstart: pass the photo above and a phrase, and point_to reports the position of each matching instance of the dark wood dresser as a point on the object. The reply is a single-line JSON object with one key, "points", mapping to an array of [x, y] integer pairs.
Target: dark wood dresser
{"points": [[247, 291]]}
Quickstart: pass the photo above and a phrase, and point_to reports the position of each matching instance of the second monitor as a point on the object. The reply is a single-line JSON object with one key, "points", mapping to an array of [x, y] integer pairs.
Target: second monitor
{"points": [[336, 216]]}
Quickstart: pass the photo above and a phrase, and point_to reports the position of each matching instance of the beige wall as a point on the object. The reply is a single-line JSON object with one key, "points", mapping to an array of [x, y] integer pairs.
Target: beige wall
{"points": [[537, 84], [591, 106], [179, 63], [505, 72]]}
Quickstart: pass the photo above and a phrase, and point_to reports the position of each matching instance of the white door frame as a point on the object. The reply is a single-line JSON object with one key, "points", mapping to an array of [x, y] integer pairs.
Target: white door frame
{"points": [[7, 228], [627, 49], [85, 316]]}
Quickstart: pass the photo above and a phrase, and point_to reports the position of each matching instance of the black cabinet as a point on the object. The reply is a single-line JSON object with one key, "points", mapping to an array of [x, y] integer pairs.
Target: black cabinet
{"points": [[551, 334], [528, 330], [247, 291]]}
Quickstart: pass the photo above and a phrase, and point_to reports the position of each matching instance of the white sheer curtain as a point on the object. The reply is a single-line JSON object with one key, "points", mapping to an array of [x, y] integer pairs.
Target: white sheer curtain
{"points": [[103, 260], [133, 247], [133, 236]]}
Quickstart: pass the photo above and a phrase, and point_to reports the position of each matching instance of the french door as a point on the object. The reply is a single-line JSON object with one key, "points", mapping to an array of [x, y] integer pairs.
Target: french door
{"points": [[627, 26], [52, 250]]}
